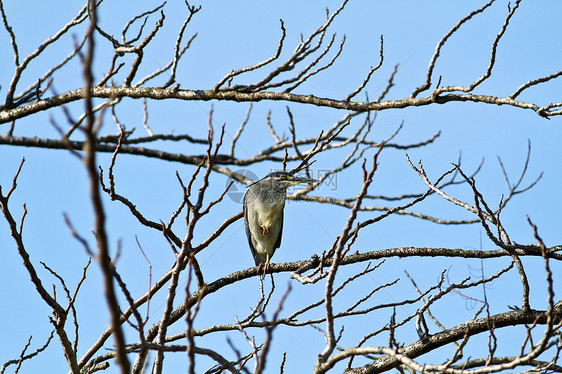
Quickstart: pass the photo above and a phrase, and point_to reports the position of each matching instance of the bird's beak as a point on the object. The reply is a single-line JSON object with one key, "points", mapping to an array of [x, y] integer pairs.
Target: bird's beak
{"points": [[298, 180]]}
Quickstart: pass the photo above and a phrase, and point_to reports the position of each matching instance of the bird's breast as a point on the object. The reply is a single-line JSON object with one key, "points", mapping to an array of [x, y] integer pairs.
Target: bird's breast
{"points": [[269, 216]]}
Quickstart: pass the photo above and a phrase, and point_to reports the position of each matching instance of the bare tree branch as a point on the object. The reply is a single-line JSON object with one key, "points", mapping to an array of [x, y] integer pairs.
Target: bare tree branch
{"points": [[186, 312]]}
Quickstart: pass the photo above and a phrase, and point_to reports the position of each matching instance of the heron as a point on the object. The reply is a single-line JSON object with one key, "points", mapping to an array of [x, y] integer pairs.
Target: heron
{"points": [[263, 213]]}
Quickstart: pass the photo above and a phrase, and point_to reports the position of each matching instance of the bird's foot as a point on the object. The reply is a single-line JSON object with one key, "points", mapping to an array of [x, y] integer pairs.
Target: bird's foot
{"points": [[263, 269], [264, 230]]}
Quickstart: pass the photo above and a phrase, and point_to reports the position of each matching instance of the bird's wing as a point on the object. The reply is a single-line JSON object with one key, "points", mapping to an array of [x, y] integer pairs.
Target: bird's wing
{"points": [[278, 242], [247, 227]]}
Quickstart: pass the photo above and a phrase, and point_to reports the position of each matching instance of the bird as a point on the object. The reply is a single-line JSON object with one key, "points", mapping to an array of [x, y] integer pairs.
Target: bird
{"points": [[263, 214]]}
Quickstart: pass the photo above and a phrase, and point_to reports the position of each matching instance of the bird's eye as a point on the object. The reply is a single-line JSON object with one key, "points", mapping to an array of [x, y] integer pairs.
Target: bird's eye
{"points": [[283, 176]]}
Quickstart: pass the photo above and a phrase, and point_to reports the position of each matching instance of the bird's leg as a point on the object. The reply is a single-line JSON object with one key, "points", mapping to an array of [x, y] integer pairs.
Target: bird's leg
{"points": [[263, 268], [266, 267], [264, 230]]}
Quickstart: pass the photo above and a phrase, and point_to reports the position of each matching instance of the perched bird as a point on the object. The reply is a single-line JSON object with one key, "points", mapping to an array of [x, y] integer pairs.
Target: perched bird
{"points": [[263, 213]]}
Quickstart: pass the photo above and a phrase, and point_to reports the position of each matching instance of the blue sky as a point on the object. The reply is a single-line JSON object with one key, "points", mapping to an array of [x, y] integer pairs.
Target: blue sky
{"points": [[232, 35]]}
